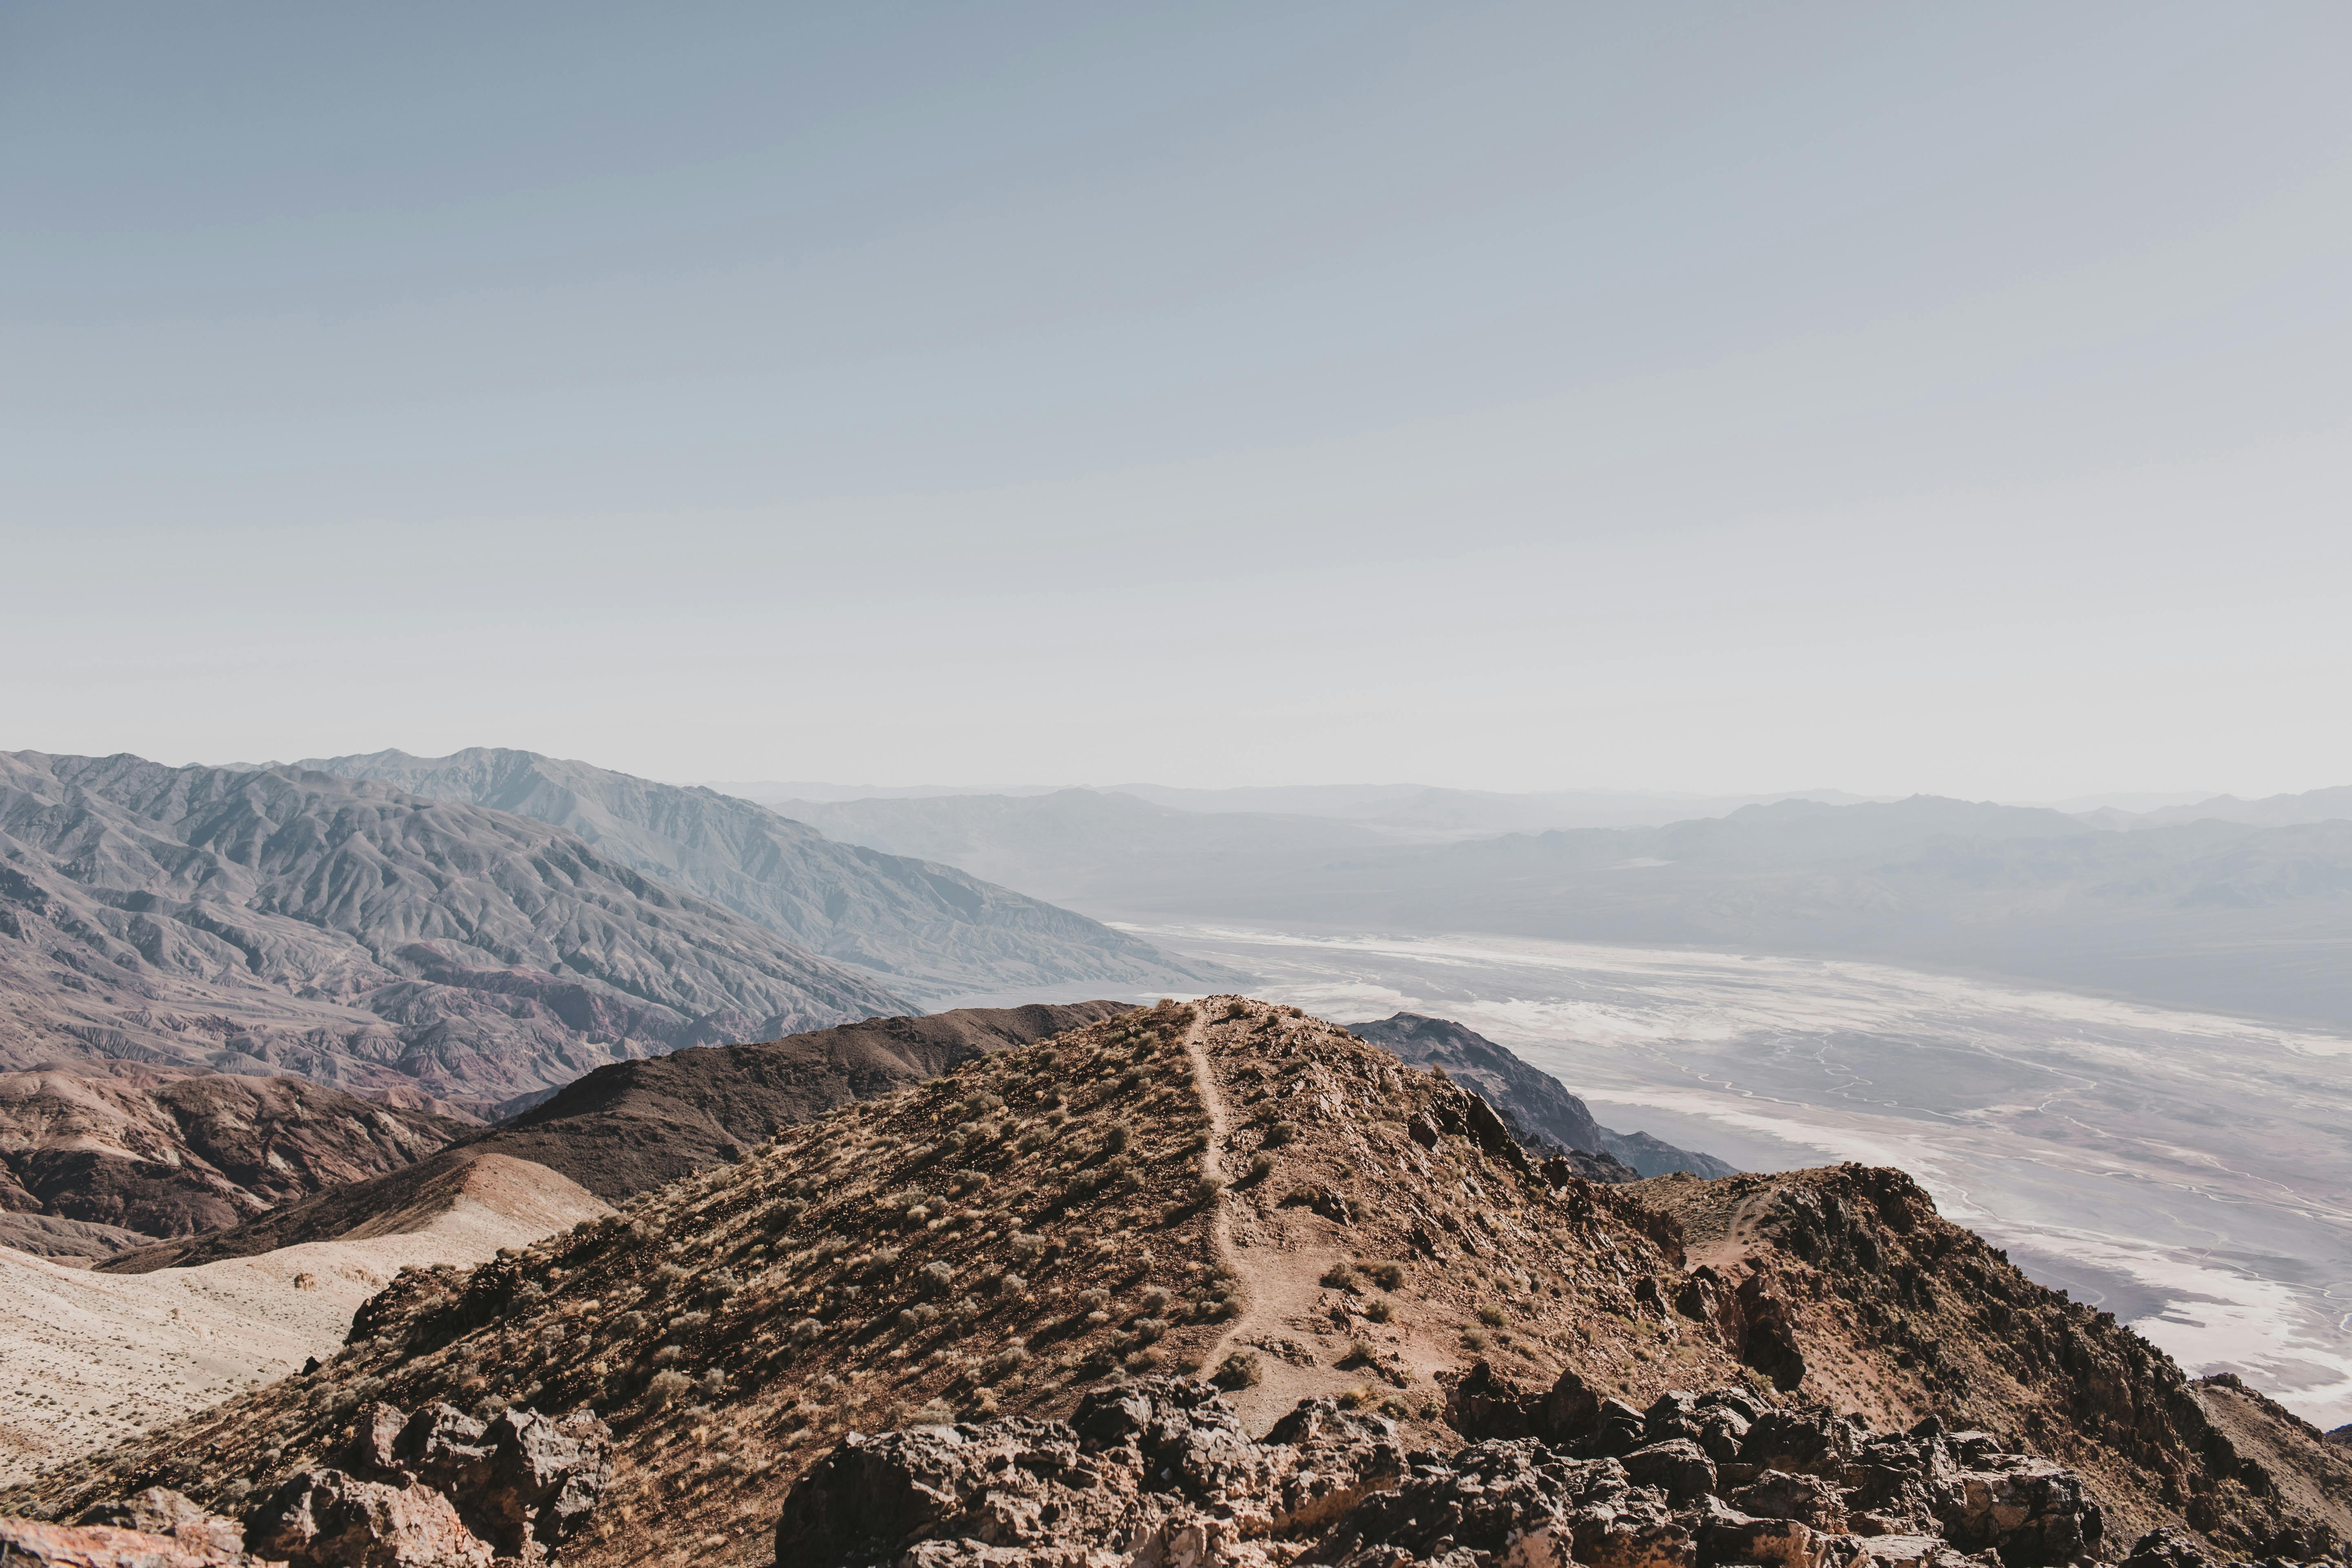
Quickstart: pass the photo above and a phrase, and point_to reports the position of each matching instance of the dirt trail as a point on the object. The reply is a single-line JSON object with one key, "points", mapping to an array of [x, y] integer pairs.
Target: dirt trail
{"points": [[1279, 1258]]}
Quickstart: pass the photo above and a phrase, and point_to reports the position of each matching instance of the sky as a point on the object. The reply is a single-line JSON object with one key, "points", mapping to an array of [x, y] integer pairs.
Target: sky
{"points": [[1701, 398]]}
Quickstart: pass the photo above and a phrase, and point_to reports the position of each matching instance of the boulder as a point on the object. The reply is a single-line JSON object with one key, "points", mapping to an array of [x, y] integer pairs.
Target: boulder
{"points": [[2037, 1514], [1183, 1434], [1813, 1441], [1617, 1429], [2168, 1548], [1809, 1500], [1678, 1467], [159, 1510], [1521, 1503], [1727, 1536], [519, 1477], [328, 1519], [32, 1542], [545, 1478]]}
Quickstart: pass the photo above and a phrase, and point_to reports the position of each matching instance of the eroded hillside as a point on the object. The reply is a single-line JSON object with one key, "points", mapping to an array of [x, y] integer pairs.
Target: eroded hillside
{"points": [[112, 1159]]}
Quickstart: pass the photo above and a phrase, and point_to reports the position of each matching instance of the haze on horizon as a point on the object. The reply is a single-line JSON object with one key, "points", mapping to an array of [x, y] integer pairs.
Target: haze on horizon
{"points": [[1514, 398]]}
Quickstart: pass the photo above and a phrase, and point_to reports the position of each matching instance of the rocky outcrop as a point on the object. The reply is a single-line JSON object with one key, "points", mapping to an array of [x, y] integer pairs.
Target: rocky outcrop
{"points": [[157, 1528], [1160, 1472], [440, 1489]]}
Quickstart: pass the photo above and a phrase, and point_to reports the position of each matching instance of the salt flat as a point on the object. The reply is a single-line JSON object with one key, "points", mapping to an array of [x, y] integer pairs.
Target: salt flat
{"points": [[2189, 1171]]}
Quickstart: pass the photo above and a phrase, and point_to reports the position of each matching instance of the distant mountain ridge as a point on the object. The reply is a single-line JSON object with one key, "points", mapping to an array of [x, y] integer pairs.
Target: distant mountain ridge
{"points": [[282, 921], [931, 932], [2235, 916], [2334, 805]]}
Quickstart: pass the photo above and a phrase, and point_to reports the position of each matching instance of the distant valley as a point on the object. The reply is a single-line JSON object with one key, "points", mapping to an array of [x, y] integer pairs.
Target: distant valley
{"points": [[2244, 907]]}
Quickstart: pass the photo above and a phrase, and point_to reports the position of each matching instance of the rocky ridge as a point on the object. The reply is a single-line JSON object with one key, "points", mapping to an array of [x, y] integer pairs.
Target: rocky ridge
{"points": [[1540, 1107], [1258, 1199], [628, 1128]]}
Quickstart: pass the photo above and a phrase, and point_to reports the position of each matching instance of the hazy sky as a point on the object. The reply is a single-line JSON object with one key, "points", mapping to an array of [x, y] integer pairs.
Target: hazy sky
{"points": [[1712, 397]]}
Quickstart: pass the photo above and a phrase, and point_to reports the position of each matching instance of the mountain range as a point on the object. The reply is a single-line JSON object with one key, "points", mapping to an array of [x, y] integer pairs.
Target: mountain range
{"points": [[933, 933], [435, 953]]}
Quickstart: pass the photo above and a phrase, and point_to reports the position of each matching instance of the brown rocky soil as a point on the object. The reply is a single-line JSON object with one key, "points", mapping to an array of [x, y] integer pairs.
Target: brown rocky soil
{"points": [[1236, 1190]]}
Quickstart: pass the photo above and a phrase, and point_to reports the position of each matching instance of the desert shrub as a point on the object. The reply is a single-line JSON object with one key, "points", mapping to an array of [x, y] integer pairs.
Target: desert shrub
{"points": [[1147, 1329], [937, 1276], [1281, 1132], [1238, 1371], [666, 1354], [807, 1332], [714, 1384], [668, 1273], [1493, 1316], [1261, 1166], [1387, 1275], [1011, 1284], [1028, 1246], [1236, 1010], [1117, 1137], [1206, 1188], [1472, 1339], [666, 1387], [685, 1323], [1380, 1312], [1356, 1398], [1340, 1275], [1153, 1301]]}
